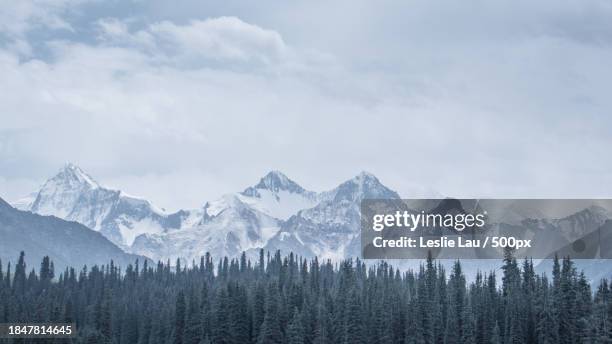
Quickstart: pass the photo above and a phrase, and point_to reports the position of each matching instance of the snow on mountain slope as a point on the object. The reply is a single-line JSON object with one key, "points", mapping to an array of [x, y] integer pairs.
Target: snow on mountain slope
{"points": [[228, 227], [73, 195], [61, 194], [25, 203], [232, 224], [331, 228], [279, 196], [276, 213], [325, 225]]}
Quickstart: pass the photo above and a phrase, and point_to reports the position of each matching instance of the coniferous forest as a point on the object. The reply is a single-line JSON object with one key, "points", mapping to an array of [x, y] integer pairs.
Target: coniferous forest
{"points": [[290, 300]]}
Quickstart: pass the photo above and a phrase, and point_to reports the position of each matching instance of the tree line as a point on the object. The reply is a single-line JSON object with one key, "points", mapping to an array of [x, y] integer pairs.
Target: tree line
{"points": [[287, 299]]}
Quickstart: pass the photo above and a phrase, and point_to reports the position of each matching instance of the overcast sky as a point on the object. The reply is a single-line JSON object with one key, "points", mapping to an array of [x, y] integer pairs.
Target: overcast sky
{"points": [[182, 102]]}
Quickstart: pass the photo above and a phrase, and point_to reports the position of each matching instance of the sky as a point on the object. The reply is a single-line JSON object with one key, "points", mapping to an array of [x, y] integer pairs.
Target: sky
{"points": [[183, 102]]}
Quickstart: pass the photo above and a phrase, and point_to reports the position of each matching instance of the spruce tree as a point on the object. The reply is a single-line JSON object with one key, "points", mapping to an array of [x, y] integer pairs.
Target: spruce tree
{"points": [[179, 318], [321, 335], [354, 331], [19, 278], [193, 329], [238, 312], [220, 325], [496, 335], [270, 331], [295, 330]]}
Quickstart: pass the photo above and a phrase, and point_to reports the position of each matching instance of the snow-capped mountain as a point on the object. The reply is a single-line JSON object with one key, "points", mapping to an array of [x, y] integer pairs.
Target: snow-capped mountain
{"points": [[73, 195], [331, 228], [279, 196], [227, 227], [325, 224], [275, 213], [234, 223]]}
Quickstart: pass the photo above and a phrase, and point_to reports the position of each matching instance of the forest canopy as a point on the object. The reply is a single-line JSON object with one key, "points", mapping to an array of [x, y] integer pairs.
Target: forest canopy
{"points": [[287, 299]]}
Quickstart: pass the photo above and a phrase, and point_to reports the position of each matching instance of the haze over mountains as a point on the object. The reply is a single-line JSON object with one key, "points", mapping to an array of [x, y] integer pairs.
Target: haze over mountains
{"points": [[275, 213], [68, 243]]}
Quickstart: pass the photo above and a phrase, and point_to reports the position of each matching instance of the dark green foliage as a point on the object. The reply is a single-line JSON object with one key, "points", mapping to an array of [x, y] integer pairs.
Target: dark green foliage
{"points": [[270, 331], [295, 330], [19, 279], [291, 300], [179, 318]]}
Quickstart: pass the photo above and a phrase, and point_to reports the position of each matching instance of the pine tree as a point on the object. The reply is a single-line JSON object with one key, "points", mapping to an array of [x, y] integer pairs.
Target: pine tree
{"points": [[270, 332], [193, 330], [46, 270], [496, 336], [180, 311], [584, 309], [568, 320], [129, 326], [258, 306], [512, 300], [145, 330], [602, 314], [467, 335], [528, 300], [321, 335], [19, 279], [205, 312], [414, 330], [295, 330], [545, 330], [456, 305], [239, 317], [354, 326], [220, 325], [452, 333], [104, 317]]}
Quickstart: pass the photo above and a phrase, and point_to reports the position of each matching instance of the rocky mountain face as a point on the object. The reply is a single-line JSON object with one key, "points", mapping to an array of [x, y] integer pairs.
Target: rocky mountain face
{"points": [[243, 221], [324, 225], [75, 196], [225, 227], [279, 196], [331, 228], [68, 243]]}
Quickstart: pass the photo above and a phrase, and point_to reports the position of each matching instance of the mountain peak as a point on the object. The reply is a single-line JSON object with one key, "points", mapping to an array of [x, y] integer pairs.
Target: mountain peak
{"points": [[364, 185], [365, 176], [73, 174], [274, 181], [365, 180], [62, 193]]}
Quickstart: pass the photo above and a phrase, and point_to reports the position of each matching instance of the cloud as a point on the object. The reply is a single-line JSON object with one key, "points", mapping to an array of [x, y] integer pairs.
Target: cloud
{"points": [[12, 189], [113, 28], [19, 17], [476, 101], [223, 40]]}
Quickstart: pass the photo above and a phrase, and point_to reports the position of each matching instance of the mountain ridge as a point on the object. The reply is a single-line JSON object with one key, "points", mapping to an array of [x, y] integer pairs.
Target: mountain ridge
{"points": [[74, 195], [275, 213], [67, 243]]}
